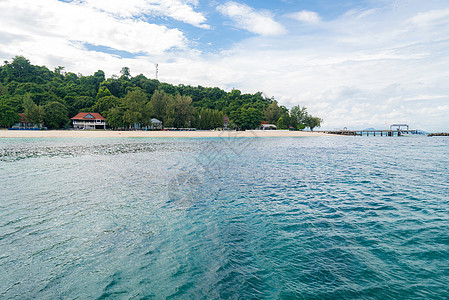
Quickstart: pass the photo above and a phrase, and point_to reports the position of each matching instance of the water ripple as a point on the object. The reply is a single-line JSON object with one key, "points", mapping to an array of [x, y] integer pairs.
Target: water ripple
{"points": [[195, 218]]}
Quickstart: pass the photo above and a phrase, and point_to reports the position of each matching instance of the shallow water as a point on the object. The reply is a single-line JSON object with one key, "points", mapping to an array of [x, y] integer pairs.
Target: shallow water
{"points": [[326, 217]]}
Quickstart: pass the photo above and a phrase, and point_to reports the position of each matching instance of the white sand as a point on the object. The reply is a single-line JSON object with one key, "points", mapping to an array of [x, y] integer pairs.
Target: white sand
{"points": [[152, 134]]}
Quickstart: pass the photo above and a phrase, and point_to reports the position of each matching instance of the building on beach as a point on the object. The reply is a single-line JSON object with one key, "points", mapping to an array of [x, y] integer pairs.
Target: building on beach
{"points": [[89, 121], [155, 124], [24, 124], [266, 126]]}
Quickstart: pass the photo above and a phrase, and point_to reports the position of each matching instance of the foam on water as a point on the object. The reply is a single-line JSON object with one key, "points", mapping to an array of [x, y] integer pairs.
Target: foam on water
{"points": [[224, 218]]}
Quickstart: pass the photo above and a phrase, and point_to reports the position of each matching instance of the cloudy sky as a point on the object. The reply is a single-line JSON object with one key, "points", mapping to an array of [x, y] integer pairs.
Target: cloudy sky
{"points": [[355, 63]]}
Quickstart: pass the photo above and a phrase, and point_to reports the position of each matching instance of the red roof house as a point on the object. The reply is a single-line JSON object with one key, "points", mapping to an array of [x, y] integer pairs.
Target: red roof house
{"points": [[89, 121], [25, 125], [267, 126]]}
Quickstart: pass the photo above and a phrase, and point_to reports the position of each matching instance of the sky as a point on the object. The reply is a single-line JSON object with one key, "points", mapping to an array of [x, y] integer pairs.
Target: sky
{"points": [[356, 64]]}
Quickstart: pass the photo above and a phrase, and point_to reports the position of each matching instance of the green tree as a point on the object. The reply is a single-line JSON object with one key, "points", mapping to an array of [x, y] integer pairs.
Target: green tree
{"points": [[103, 104], [71, 78], [168, 88], [19, 70], [136, 110], [158, 104], [33, 113], [298, 116], [36, 115], [247, 118], [103, 92], [125, 72], [147, 85], [60, 71], [131, 117], [115, 117], [217, 119], [27, 102], [313, 122], [3, 90], [272, 113], [13, 101], [81, 103], [281, 124], [8, 116], [207, 118], [55, 115], [179, 112], [99, 77]]}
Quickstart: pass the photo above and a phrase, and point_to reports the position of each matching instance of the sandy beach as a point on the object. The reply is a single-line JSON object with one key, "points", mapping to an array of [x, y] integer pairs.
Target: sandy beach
{"points": [[152, 134]]}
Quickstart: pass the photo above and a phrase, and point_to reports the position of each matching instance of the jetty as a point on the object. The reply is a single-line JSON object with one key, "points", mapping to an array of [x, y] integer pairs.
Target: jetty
{"points": [[395, 130], [439, 134]]}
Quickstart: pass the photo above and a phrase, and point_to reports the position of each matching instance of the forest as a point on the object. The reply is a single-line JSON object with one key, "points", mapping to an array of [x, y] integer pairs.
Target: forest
{"points": [[51, 98]]}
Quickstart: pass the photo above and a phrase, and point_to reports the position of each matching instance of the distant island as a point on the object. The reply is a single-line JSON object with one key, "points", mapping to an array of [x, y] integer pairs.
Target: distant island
{"points": [[48, 99]]}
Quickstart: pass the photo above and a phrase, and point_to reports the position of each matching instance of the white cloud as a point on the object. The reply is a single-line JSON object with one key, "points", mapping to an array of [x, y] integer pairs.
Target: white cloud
{"points": [[368, 68], [433, 17], [56, 22], [245, 17], [360, 70], [306, 16], [180, 10]]}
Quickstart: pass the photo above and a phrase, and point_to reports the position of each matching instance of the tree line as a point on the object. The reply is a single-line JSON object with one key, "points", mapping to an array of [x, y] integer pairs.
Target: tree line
{"points": [[51, 98]]}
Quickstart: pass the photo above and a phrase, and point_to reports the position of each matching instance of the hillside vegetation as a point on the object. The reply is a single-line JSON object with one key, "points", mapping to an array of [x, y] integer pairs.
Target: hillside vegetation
{"points": [[51, 98]]}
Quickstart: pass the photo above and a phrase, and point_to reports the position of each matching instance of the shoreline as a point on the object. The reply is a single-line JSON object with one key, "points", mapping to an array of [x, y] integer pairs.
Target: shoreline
{"points": [[154, 134]]}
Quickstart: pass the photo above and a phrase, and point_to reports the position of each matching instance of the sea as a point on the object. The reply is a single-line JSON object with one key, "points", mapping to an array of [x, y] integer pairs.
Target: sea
{"points": [[224, 218]]}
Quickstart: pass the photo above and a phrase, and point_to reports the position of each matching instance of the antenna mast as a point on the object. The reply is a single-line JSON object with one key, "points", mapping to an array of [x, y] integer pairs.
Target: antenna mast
{"points": [[157, 69]]}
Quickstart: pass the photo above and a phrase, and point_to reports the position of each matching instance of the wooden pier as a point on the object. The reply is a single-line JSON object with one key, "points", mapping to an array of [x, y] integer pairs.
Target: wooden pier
{"points": [[395, 130], [373, 132]]}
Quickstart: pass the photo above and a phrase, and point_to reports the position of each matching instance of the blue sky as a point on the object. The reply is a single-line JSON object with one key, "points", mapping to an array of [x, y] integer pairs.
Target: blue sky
{"points": [[356, 64]]}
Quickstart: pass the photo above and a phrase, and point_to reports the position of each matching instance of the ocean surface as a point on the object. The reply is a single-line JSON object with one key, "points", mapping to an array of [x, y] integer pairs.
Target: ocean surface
{"points": [[225, 218]]}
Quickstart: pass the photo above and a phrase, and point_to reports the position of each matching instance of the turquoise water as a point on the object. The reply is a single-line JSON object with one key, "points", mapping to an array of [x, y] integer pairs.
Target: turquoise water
{"points": [[234, 218]]}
